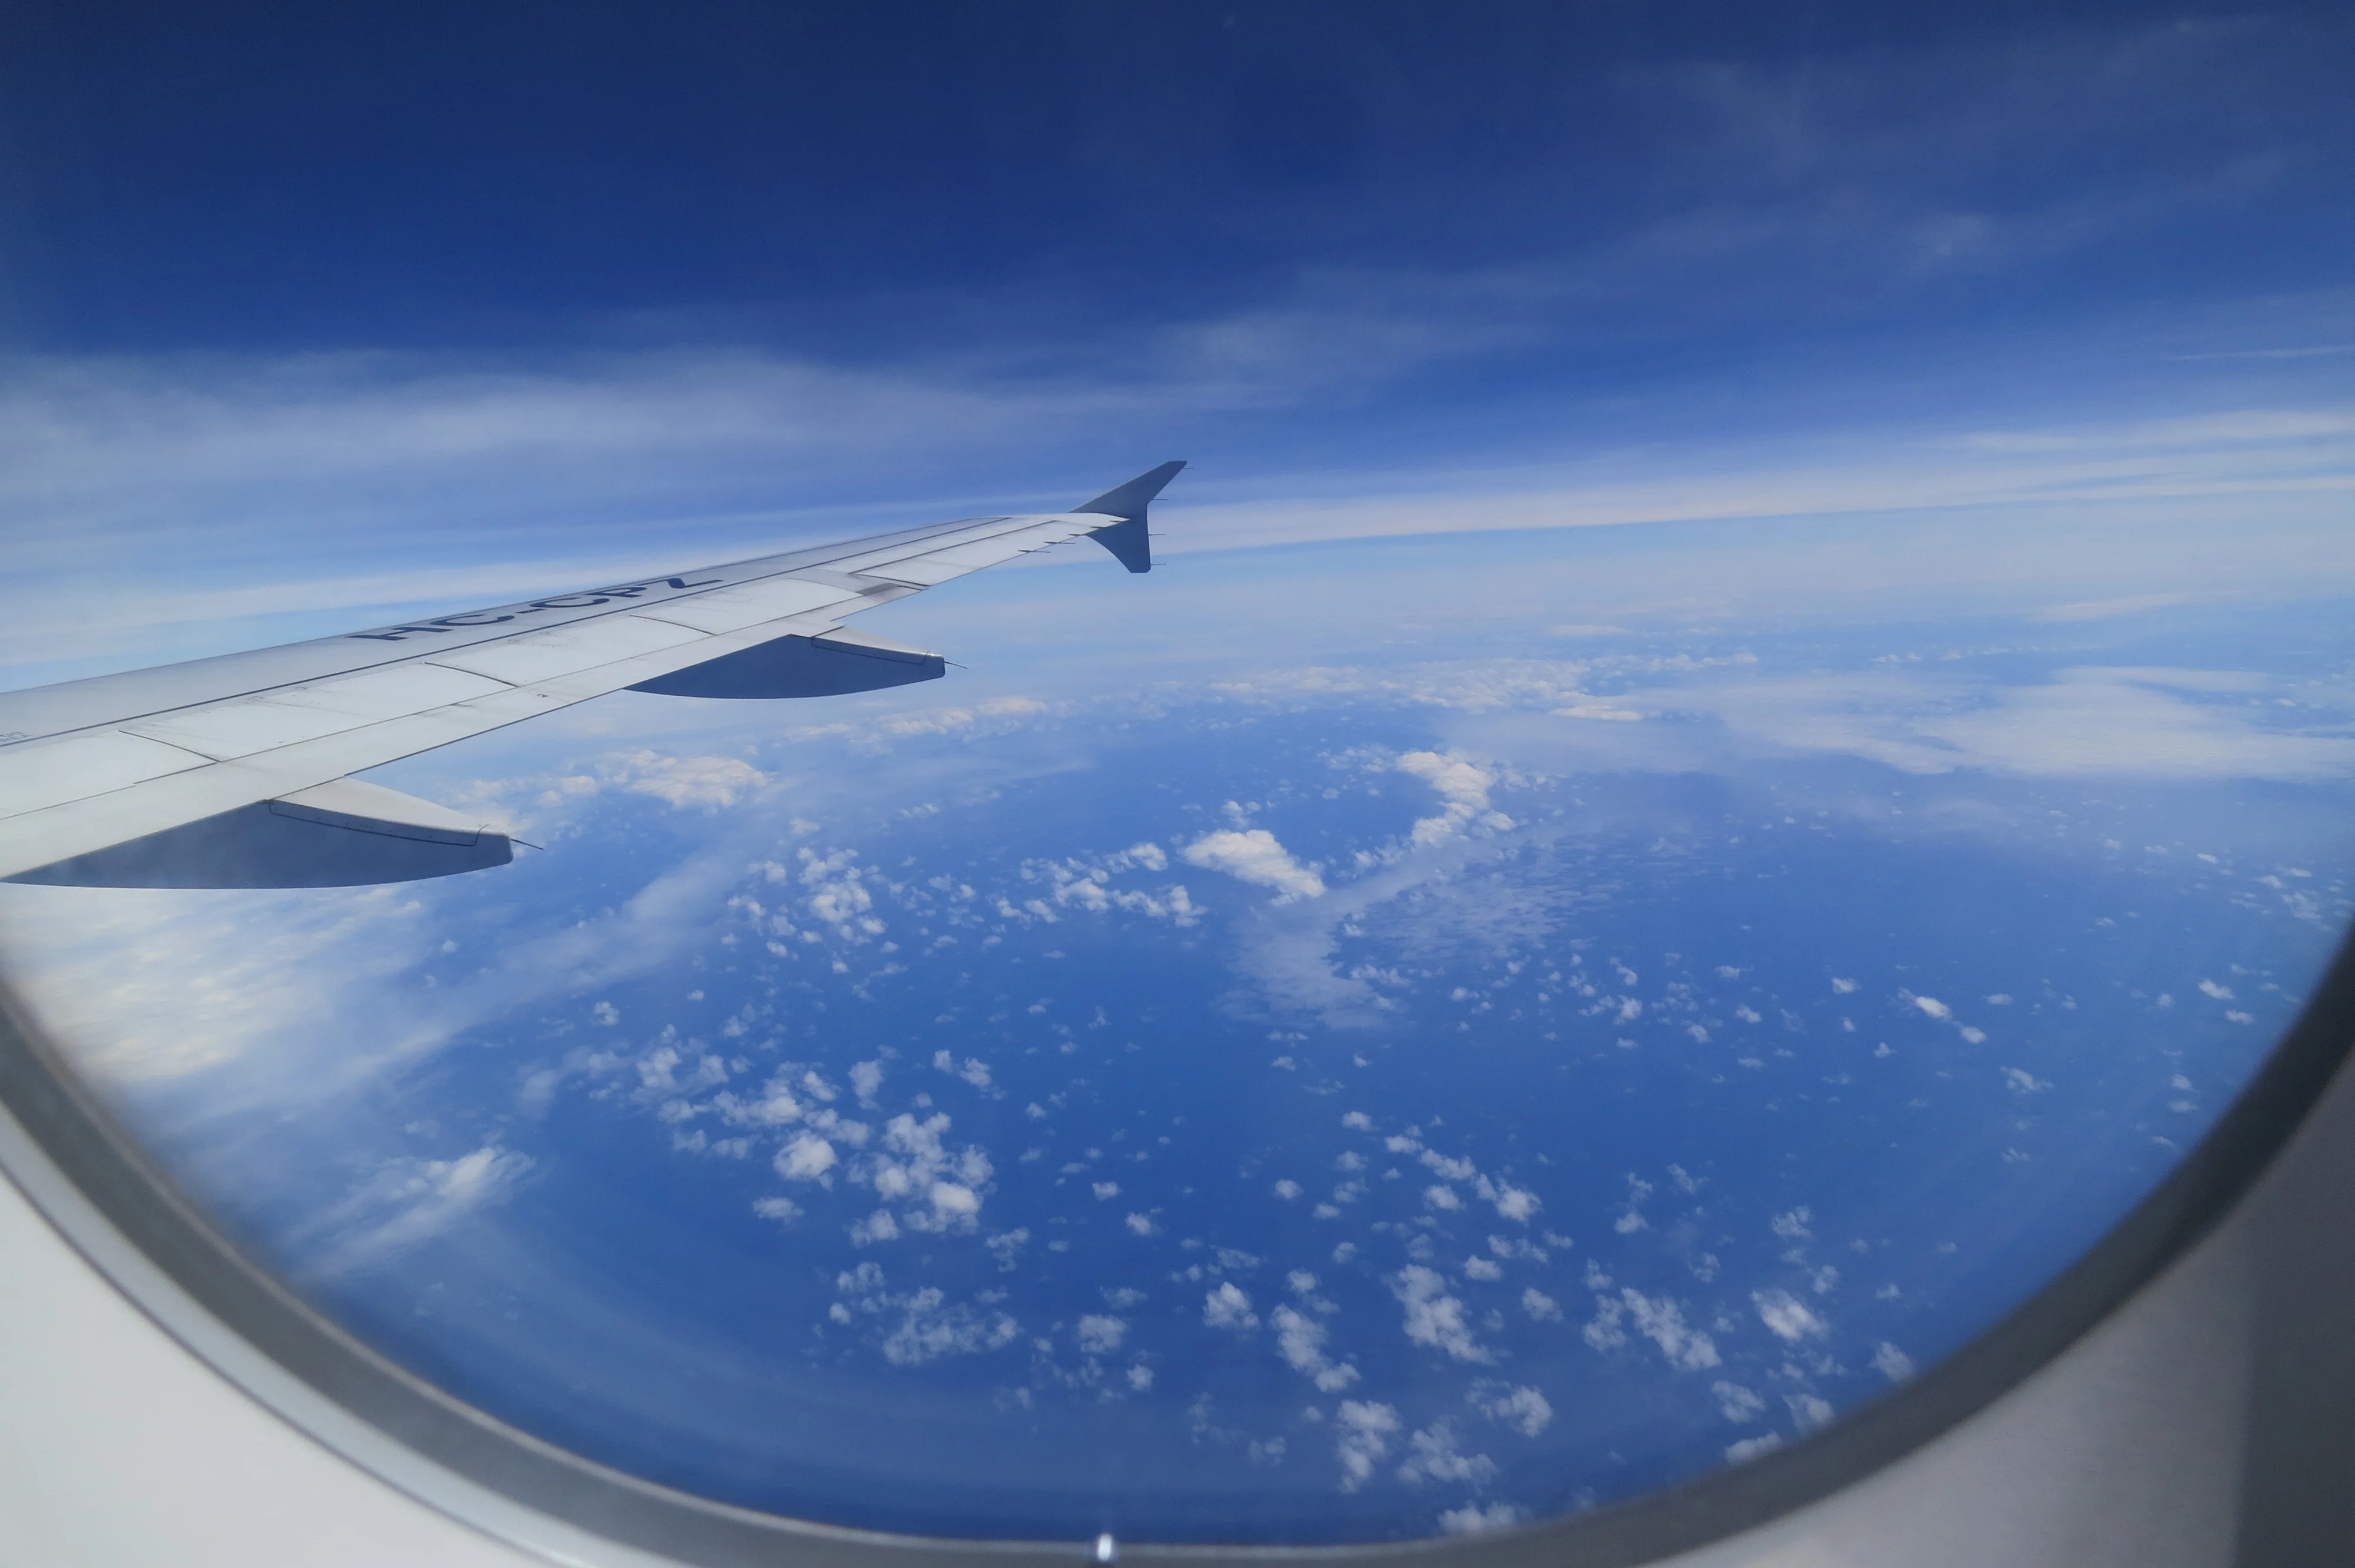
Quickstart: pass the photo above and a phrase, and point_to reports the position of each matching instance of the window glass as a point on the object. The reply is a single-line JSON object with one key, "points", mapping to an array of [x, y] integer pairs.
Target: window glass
{"points": [[1740, 735]]}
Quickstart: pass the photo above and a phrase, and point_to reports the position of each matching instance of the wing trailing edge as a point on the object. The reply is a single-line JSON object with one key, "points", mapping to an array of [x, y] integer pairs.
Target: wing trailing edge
{"points": [[344, 834]]}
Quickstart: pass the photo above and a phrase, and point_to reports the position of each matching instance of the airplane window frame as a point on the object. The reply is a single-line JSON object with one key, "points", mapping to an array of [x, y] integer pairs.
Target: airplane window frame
{"points": [[89, 1177]]}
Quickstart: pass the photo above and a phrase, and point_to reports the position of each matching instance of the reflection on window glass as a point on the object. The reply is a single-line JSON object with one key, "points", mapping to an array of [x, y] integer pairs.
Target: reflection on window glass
{"points": [[1426, 1011]]}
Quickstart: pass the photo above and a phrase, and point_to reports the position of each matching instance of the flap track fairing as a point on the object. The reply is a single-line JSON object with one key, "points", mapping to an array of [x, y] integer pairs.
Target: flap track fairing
{"points": [[827, 665]]}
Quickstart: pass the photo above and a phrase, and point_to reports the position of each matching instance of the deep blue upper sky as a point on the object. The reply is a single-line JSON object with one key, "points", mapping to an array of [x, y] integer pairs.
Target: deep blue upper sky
{"points": [[877, 180]]}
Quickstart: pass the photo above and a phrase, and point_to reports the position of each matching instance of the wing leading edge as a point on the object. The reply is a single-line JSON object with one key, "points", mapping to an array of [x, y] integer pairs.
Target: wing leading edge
{"points": [[233, 771]]}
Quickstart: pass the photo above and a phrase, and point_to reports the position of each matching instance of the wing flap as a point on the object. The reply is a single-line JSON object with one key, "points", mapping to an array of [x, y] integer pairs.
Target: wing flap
{"points": [[342, 834]]}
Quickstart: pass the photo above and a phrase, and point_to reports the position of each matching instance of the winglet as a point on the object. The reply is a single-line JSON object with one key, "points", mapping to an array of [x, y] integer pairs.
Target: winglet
{"points": [[1128, 538]]}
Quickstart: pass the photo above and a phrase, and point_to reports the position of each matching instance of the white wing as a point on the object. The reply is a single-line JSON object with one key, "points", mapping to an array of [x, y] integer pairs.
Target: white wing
{"points": [[232, 771]]}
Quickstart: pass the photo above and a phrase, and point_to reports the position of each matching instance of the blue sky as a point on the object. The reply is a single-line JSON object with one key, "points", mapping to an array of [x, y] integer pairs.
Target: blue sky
{"points": [[353, 312], [1669, 181]]}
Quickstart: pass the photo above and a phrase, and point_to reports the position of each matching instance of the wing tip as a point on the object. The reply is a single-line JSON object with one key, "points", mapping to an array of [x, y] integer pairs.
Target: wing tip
{"points": [[1126, 536], [1130, 500]]}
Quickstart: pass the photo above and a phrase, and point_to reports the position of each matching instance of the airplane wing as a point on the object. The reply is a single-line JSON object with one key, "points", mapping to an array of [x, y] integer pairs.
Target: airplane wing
{"points": [[235, 771]]}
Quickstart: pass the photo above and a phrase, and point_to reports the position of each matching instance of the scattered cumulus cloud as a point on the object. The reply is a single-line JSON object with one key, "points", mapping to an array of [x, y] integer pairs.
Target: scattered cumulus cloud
{"points": [[1300, 1339], [1099, 1335], [1524, 1409], [1791, 1319], [1229, 1307], [1254, 855], [931, 1327], [1434, 1318], [1481, 1519], [1433, 1456], [1362, 1431], [1463, 788]]}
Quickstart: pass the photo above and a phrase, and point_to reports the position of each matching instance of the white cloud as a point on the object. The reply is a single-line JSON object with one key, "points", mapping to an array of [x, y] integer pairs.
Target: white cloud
{"points": [[1434, 1318], [1006, 1245], [2084, 722], [1255, 856], [1603, 1332], [1516, 1203], [1540, 1306], [1447, 1169], [866, 1078], [707, 781], [1229, 1307], [974, 1072], [916, 1164], [1524, 1409], [1790, 1318], [1738, 1404], [952, 1201], [1662, 1321], [1807, 1411], [1480, 1519], [1087, 883], [1300, 1339], [1362, 1429], [1891, 1363], [1933, 1007], [410, 1201], [1436, 1457], [2092, 722], [837, 895], [807, 1158], [1462, 785], [1100, 1335], [931, 1330]]}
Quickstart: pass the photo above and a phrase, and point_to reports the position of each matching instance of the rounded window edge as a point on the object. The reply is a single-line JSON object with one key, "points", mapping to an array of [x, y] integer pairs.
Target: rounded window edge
{"points": [[89, 1178]]}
